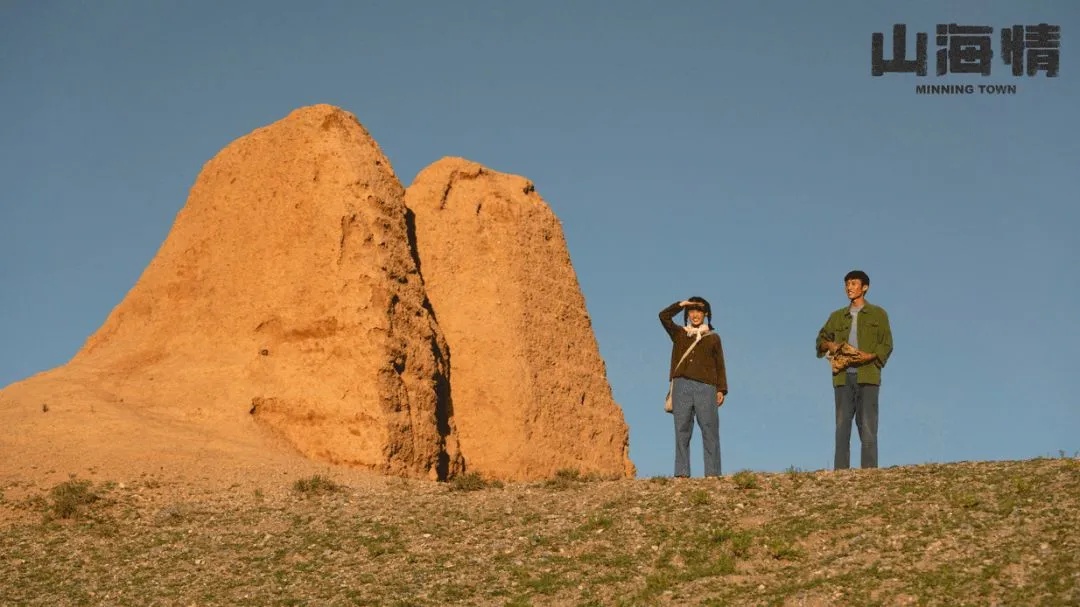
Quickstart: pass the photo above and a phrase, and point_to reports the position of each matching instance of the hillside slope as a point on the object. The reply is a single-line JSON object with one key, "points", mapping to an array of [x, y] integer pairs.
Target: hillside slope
{"points": [[988, 533]]}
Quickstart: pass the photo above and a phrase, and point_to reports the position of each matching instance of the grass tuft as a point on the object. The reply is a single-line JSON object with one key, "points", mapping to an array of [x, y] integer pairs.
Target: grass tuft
{"points": [[473, 481], [699, 497], [745, 480], [316, 485], [566, 478], [69, 498]]}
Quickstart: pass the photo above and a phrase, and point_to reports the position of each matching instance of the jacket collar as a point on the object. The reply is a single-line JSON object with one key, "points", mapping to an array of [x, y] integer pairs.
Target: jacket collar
{"points": [[867, 306]]}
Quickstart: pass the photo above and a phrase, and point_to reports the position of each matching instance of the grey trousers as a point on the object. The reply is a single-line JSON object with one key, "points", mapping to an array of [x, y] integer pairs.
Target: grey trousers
{"points": [[859, 401], [692, 400]]}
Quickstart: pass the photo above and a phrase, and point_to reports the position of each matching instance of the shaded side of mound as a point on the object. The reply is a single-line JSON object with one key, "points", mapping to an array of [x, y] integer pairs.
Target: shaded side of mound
{"points": [[530, 391], [286, 297]]}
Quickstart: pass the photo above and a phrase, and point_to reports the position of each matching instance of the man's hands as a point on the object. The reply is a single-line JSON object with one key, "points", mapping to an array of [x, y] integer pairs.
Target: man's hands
{"points": [[719, 399], [864, 357], [860, 359]]}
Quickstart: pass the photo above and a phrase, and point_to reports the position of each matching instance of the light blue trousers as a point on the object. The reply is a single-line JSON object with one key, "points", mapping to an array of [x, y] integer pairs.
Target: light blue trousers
{"points": [[692, 400]]}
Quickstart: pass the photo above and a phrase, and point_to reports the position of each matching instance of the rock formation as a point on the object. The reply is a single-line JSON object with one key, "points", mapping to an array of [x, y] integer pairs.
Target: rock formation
{"points": [[288, 306], [530, 392], [286, 293]]}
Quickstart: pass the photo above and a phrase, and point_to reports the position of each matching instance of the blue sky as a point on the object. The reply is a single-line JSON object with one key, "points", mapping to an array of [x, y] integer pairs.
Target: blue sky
{"points": [[741, 151]]}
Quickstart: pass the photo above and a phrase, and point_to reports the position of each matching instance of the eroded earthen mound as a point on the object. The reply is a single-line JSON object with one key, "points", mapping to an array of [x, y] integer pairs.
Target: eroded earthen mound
{"points": [[530, 391], [285, 320], [287, 295]]}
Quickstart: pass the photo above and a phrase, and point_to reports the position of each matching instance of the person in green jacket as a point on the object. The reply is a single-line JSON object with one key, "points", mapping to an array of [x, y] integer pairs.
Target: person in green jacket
{"points": [[865, 327]]}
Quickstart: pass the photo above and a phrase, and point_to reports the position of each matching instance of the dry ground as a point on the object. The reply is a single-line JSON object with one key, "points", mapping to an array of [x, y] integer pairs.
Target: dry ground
{"points": [[988, 533]]}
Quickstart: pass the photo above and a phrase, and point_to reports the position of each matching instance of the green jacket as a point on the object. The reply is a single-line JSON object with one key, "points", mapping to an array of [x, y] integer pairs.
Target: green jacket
{"points": [[875, 337]]}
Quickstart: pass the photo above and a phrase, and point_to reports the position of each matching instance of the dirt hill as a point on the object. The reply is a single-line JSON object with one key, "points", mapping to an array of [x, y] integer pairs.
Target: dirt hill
{"points": [[978, 534]]}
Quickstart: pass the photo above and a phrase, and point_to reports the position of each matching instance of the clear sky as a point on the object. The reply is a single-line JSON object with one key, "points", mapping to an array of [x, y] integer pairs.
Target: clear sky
{"points": [[740, 151]]}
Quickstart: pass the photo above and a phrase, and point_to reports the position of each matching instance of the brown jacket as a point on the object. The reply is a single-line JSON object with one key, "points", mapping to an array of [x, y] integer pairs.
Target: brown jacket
{"points": [[705, 363]]}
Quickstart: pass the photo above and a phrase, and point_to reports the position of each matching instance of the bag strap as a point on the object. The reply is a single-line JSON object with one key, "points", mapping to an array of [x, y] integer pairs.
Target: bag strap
{"points": [[687, 353]]}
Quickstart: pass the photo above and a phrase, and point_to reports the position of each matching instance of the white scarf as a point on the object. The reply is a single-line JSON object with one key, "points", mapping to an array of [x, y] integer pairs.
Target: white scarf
{"points": [[697, 333]]}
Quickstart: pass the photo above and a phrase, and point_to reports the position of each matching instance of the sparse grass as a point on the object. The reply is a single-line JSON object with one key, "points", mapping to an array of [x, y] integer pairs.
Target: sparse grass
{"points": [[745, 480], [380, 539], [782, 550], [567, 478], [796, 476], [935, 535], [316, 485], [739, 542], [172, 513], [702, 554], [1022, 487], [69, 499], [473, 481], [699, 497], [570, 474], [595, 524], [964, 500]]}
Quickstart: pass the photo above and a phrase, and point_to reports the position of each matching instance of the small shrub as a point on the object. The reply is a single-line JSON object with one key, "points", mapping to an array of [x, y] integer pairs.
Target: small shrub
{"points": [[315, 485], [699, 497], [473, 481], [745, 480], [70, 496], [660, 480], [566, 478], [569, 474]]}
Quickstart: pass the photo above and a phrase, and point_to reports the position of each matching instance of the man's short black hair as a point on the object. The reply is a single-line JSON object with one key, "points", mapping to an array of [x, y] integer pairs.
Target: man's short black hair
{"points": [[859, 275]]}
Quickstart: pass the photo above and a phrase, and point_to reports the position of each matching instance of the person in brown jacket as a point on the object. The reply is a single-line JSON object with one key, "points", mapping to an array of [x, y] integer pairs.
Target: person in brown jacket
{"points": [[699, 381]]}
